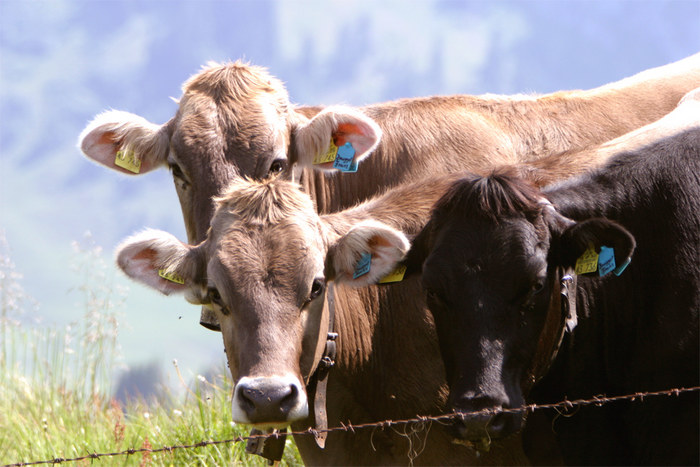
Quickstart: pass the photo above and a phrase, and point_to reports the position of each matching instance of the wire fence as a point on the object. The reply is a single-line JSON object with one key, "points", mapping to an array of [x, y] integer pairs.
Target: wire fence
{"points": [[349, 427]]}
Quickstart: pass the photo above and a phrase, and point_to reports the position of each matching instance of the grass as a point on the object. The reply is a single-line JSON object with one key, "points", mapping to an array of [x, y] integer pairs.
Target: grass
{"points": [[55, 384]]}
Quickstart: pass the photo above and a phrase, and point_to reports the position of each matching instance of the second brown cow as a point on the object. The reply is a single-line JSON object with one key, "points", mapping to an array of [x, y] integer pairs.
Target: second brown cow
{"points": [[237, 120]]}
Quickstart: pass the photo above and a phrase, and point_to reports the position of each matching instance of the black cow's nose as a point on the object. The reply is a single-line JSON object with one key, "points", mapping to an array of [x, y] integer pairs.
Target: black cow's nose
{"points": [[268, 401], [487, 422]]}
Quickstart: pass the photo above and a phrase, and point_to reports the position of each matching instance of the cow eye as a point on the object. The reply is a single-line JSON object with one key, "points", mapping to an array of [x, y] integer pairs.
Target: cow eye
{"points": [[528, 298], [277, 166], [538, 286], [176, 170], [316, 288], [214, 296], [178, 175]]}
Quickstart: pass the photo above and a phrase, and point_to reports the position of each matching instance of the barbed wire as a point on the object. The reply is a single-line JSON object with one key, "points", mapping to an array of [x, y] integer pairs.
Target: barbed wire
{"points": [[349, 427]]}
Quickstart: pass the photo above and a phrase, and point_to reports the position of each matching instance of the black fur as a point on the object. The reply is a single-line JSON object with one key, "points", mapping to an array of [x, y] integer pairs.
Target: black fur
{"points": [[482, 256]]}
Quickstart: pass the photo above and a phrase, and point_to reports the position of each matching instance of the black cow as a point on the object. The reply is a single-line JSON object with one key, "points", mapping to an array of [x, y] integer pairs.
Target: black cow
{"points": [[497, 255]]}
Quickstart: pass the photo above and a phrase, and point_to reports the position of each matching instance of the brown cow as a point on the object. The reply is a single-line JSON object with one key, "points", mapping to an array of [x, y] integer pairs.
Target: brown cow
{"points": [[264, 268], [236, 119]]}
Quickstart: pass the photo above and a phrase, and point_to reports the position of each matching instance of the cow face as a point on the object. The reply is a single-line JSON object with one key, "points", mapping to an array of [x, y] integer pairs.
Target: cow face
{"points": [[263, 269], [491, 260], [233, 120]]}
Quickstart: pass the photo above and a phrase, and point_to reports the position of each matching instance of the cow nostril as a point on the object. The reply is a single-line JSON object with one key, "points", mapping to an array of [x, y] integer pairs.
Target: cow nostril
{"points": [[289, 401], [248, 398], [505, 424], [497, 424]]}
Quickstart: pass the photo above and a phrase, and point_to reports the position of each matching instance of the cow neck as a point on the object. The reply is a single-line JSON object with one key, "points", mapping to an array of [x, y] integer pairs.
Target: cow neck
{"points": [[561, 317], [335, 192]]}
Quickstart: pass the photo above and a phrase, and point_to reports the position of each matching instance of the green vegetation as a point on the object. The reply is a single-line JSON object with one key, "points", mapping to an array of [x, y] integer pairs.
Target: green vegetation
{"points": [[54, 390]]}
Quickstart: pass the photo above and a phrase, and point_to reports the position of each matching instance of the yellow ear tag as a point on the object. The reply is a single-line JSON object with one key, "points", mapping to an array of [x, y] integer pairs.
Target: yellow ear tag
{"points": [[394, 276], [329, 156], [171, 276], [127, 160], [587, 262]]}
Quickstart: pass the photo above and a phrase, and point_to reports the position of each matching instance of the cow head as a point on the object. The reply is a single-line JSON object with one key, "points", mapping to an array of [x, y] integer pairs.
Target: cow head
{"points": [[491, 259], [263, 269], [233, 120]]}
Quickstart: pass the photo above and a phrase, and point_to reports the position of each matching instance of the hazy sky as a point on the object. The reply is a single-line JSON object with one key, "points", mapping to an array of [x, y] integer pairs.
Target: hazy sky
{"points": [[62, 62]]}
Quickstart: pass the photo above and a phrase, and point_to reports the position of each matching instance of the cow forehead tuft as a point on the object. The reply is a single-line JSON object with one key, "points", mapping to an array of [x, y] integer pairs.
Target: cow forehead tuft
{"points": [[266, 202], [234, 80], [500, 194]]}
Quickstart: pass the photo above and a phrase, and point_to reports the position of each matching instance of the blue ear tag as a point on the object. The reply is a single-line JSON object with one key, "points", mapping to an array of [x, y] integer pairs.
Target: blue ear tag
{"points": [[621, 268], [606, 260], [362, 266], [343, 159]]}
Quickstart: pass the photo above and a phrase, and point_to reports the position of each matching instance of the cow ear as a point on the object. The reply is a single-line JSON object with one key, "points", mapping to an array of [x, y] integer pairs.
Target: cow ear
{"points": [[577, 239], [160, 261], [366, 254], [125, 142], [336, 131]]}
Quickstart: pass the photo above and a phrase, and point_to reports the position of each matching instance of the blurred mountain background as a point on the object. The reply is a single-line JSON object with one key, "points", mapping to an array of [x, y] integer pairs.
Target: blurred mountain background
{"points": [[62, 62]]}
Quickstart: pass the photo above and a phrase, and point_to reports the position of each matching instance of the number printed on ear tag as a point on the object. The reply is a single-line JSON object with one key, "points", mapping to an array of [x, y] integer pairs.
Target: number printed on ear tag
{"points": [[171, 276], [587, 262], [362, 266], [329, 156], [127, 160]]}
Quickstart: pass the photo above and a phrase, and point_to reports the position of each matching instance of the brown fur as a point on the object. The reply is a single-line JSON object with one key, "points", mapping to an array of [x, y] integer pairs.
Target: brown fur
{"points": [[271, 224], [426, 136], [234, 119], [379, 376], [267, 244], [234, 116]]}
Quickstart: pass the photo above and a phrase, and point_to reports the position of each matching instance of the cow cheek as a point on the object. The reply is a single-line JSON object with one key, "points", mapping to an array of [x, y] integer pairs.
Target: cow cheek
{"points": [[231, 347], [190, 226]]}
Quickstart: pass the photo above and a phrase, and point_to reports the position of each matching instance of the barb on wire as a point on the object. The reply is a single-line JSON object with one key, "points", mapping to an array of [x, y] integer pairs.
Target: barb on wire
{"points": [[349, 427]]}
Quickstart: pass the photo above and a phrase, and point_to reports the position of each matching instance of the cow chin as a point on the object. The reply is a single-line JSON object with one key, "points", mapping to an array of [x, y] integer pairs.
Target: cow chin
{"points": [[269, 402]]}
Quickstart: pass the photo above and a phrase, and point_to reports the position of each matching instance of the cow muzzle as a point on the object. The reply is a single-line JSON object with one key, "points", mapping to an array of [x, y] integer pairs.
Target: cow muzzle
{"points": [[269, 401], [487, 425], [208, 319]]}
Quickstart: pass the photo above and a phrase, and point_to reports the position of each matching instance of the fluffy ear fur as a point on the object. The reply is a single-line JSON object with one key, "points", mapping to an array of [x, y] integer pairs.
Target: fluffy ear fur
{"points": [[125, 142], [340, 125], [576, 238], [148, 256], [385, 245]]}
